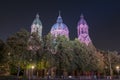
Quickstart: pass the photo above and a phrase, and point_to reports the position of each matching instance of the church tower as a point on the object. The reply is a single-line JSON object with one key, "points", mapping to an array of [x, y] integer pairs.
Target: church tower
{"points": [[82, 30], [59, 28], [36, 26]]}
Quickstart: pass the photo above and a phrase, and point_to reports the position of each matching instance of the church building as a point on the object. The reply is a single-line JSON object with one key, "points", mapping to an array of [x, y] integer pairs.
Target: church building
{"points": [[60, 29]]}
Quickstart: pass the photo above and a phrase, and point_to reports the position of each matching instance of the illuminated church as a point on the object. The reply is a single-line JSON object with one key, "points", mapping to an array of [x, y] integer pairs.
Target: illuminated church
{"points": [[59, 28], [82, 30]]}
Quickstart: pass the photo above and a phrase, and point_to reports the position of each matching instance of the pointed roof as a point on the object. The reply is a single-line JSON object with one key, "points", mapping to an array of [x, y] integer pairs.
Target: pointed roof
{"points": [[82, 20], [59, 19], [37, 20]]}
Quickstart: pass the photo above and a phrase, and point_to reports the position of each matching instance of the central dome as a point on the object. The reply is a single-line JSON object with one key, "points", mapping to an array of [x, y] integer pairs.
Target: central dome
{"points": [[59, 28]]}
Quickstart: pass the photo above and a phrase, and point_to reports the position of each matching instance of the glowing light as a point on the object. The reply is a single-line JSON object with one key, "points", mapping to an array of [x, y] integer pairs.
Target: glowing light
{"points": [[33, 67], [117, 67]]}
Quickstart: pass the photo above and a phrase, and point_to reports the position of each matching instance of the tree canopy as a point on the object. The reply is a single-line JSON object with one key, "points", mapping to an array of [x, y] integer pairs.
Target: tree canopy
{"points": [[23, 48]]}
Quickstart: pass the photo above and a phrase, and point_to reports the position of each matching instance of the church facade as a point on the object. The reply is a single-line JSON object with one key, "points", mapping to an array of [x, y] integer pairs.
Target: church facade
{"points": [[60, 29]]}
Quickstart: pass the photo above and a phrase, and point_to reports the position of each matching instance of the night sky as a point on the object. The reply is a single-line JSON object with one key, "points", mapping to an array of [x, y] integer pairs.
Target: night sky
{"points": [[102, 16]]}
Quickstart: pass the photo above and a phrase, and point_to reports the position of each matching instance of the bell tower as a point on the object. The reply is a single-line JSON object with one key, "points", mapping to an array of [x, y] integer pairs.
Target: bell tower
{"points": [[82, 30], [36, 26]]}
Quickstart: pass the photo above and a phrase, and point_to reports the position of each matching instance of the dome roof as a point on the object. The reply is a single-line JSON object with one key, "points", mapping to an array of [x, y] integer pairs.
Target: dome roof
{"points": [[59, 25], [82, 20]]}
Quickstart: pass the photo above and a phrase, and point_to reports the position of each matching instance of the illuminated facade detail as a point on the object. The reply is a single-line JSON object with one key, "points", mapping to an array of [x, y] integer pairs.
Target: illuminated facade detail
{"points": [[82, 30], [59, 28], [37, 26]]}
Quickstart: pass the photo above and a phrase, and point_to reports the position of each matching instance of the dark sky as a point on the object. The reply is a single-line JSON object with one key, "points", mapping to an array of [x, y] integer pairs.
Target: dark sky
{"points": [[102, 16]]}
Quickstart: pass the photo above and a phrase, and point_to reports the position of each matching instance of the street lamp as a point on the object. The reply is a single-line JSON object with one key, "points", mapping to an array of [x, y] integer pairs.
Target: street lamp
{"points": [[118, 69], [8, 60], [33, 67], [106, 68], [32, 70]]}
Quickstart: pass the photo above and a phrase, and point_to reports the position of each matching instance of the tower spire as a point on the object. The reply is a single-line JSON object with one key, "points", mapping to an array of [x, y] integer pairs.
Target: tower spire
{"points": [[37, 15], [59, 13], [82, 20], [81, 16], [59, 19]]}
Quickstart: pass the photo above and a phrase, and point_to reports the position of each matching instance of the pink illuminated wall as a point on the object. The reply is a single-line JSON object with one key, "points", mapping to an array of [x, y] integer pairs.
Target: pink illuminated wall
{"points": [[82, 30]]}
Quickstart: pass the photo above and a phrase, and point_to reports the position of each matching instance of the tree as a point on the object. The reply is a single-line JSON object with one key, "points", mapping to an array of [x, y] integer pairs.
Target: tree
{"points": [[64, 54], [81, 58], [86, 58], [18, 46], [111, 60], [57, 52], [35, 47], [4, 57]]}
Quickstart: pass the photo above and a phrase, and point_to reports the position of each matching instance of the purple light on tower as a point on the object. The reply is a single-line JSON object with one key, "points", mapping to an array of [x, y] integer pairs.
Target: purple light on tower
{"points": [[82, 29], [59, 28]]}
